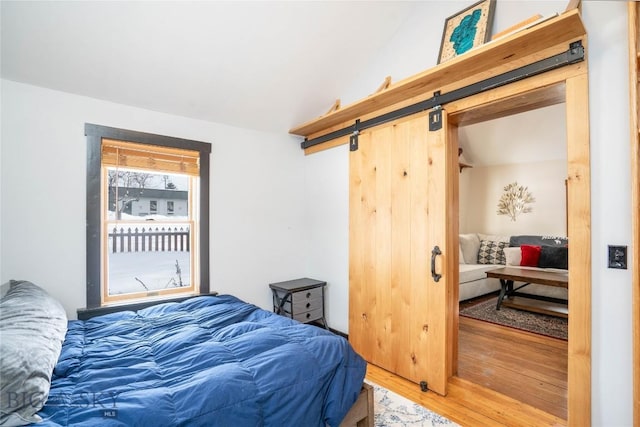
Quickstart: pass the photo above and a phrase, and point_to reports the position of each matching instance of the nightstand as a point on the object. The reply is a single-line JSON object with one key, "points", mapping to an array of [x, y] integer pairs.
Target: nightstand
{"points": [[300, 299]]}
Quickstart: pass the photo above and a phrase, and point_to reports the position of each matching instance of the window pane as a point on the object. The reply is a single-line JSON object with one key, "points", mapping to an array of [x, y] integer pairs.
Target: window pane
{"points": [[136, 193], [127, 274], [148, 250]]}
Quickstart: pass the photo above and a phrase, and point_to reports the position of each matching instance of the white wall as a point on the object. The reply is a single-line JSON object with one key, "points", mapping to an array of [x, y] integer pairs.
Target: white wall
{"points": [[327, 222], [529, 148], [482, 187], [257, 227], [415, 48], [606, 24]]}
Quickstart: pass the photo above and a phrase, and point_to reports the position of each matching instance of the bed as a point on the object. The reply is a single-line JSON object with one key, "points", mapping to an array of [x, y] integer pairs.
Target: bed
{"points": [[210, 360]]}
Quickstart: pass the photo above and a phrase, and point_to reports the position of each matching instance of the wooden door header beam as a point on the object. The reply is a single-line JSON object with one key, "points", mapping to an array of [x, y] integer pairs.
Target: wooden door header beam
{"points": [[533, 44], [574, 54]]}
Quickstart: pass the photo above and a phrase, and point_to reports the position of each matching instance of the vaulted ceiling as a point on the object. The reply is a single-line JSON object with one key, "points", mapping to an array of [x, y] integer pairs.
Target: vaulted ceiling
{"points": [[265, 65]]}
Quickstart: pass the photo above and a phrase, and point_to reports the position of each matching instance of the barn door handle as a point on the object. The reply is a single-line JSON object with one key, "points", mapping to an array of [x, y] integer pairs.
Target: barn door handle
{"points": [[435, 252]]}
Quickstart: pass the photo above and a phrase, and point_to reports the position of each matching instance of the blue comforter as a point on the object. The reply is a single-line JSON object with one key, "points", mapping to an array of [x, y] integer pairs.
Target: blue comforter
{"points": [[207, 361]]}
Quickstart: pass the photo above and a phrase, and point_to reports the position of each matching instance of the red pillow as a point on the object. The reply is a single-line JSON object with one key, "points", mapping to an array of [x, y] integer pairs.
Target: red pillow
{"points": [[530, 255]]}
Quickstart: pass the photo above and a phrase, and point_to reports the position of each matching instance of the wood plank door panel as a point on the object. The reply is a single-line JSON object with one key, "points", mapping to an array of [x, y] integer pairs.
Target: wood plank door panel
{"points": [[439, 224], [397, 312]]}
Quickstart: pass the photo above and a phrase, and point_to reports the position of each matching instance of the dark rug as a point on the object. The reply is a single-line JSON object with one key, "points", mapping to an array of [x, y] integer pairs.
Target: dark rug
{"points": [[542, 324]]}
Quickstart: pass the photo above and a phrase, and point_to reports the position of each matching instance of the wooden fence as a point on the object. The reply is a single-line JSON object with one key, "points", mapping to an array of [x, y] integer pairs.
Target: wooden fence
{"points": [[149, 239]]}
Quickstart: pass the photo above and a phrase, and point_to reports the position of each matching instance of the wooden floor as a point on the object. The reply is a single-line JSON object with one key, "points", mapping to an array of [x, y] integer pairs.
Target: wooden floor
{"points": [[528, 367], [506, 378]]}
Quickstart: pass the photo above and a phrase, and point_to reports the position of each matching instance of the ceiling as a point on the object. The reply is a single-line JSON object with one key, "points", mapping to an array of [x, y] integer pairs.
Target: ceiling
{"points": [[265, 65], [534, 136]]}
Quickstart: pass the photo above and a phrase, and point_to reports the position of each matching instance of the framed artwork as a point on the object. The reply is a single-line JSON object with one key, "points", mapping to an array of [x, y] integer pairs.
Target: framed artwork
{"points": [[466, 29]]}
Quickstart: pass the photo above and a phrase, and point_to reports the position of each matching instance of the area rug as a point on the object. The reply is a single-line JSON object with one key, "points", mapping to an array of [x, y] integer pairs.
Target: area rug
{"points": [[542, 324], [393, 410]]}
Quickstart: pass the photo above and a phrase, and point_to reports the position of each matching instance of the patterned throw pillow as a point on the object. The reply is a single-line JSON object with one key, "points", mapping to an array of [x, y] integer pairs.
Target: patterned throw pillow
{"points": [[491, 252]]}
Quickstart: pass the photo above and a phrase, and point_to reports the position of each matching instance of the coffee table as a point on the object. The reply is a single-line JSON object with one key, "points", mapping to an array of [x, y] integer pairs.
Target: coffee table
{"points": [[530, 302]]}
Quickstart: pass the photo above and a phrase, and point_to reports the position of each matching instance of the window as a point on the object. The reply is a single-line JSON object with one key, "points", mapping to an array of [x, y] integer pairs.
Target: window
{"points": [[137, 246]]}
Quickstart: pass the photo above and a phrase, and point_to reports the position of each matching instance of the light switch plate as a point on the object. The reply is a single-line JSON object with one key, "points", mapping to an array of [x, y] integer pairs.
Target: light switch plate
{"points": [[618, 257]]}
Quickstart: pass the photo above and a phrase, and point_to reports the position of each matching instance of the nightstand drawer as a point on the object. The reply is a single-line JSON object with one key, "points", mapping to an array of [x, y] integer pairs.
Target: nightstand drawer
{"points": [[302, 303], [302, 306], [304, 296], [309, 316]]}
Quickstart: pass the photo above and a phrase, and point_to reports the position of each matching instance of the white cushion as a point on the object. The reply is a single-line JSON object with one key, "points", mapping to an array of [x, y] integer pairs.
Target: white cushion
{"points": [[513, 255], [471, 272], [470, 245], [460, 255]]}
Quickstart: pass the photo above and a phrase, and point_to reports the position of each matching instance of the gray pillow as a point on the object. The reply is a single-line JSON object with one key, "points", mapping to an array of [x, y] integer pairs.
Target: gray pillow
{"points": [[32, 328], [554, 257], [538, 240]]}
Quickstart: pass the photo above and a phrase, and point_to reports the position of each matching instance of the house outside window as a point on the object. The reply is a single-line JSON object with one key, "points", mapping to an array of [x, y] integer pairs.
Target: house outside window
{"points": [[137, 248], [146, 253]]}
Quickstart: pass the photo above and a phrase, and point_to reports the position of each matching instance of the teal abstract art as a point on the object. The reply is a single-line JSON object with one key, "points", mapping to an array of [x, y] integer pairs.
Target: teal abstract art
{"points": [[466, 29], [464, 34]]}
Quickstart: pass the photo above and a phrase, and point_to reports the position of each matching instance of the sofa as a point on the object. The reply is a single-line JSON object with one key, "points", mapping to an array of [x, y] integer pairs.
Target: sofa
{"points": [[480, 253]]}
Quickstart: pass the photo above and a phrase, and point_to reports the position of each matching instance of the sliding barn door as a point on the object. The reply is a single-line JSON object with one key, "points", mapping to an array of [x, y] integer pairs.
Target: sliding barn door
{"points": [[398, 212]]}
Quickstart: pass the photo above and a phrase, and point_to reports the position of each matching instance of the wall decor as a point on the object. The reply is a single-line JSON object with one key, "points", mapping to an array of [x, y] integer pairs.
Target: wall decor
{"points": [[515, 200], [466, 29]]}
